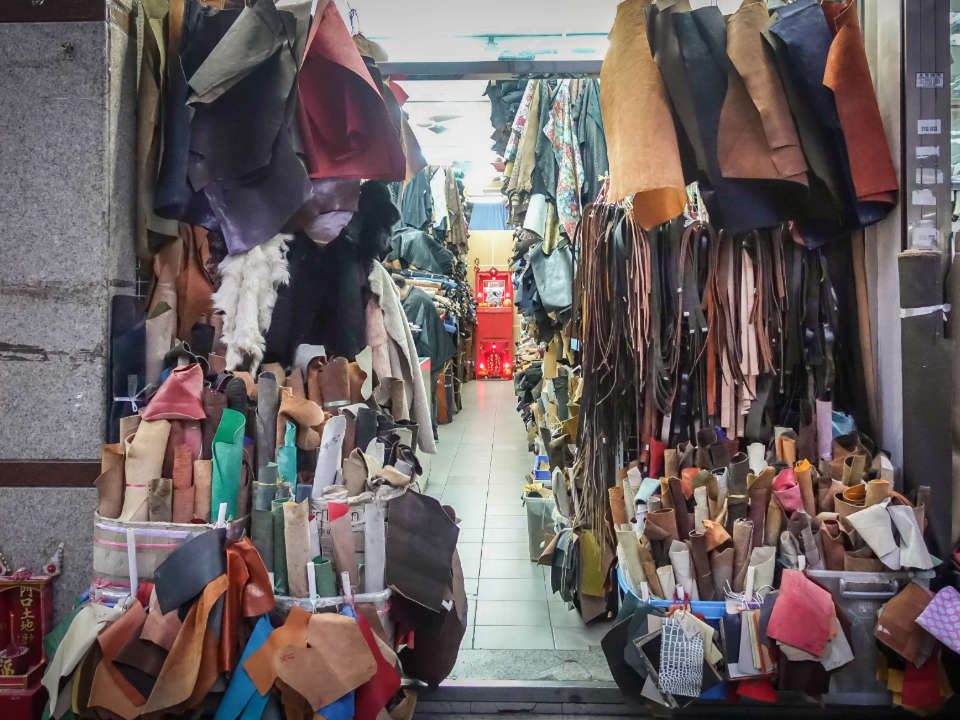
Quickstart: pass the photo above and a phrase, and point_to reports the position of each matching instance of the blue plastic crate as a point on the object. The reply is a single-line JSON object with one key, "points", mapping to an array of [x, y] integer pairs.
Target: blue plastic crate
{"points": [[540, 475]]}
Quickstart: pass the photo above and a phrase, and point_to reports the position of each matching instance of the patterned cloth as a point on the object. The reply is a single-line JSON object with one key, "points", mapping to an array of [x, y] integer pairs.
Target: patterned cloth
{"points": [[518, 122], [566, 149], [941, 618], [681, 660]]}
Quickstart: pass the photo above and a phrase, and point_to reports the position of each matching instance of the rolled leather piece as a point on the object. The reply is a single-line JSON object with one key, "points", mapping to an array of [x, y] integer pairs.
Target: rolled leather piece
{"points": [[789, 552], [787, 449], [671, 463], [280, 584], [366, 428], [650, 572], [653, 504], [764, 560], [326, 581], [687, 476], [684, 518], [227, 462], [854, 467], [616, 507], [661, 525], [143, 464], [706, 437], [287, 455], [876, 492], [759, 501], [214, 403], [831, 540], [756, 457], [334, 382], [202, 489], [296, 534], [268, 407], [666, 500], [721, 452], [183, 490], [109, 483], [302, 492], [261, 522], [357, 377], [807, 434], [634, 105], [629, 546], [683, 571], [701, 564], [721, 566], [773, 522], [737, 473], [787, 490], [668, 583], [160, 502], [825, 429], [344, 545], [716, 534], [827, 488], [742, 548], [190, 568], [413, 427], [737, 509], [804, 474], [349, 434], [845, 508]]}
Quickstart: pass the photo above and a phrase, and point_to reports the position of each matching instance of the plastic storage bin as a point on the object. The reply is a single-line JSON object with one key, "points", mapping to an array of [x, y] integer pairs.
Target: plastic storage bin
{"points": [[539, 520]]}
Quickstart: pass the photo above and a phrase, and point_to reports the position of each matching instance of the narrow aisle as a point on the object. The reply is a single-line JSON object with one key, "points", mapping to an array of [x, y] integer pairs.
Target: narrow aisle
{"points": [[479, 469]]}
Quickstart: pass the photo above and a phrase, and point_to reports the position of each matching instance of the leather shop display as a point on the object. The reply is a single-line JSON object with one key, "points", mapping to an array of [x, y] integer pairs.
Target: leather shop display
{"points": [[268, 412], [692, 375]]}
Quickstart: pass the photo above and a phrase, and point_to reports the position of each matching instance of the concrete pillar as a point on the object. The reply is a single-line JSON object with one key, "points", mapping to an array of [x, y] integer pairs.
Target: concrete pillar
{"points": [[67, 145]]}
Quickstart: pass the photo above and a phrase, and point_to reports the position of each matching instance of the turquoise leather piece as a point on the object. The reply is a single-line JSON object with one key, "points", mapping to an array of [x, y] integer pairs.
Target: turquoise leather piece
{"points": [[242, 699], [227, 463], [287, 456]]}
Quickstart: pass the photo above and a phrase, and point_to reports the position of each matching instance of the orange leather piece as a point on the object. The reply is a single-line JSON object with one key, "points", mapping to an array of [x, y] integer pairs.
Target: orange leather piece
{"points": [[848, 75], [181, 672], [237, 576], [686, 480], [258, 592], [113, 637], [107, 696], [160, 629], [260, 665], [183, 484]]}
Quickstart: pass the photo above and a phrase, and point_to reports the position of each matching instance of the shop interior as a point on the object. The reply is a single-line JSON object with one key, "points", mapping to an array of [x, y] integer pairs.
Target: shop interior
{"points": [[508, 346]]}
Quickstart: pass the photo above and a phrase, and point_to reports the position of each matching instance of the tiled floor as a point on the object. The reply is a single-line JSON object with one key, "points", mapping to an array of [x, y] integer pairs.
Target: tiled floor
{"points": [[479, 469]]}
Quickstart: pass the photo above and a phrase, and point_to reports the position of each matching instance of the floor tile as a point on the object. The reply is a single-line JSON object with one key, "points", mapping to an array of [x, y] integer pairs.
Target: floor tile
{"points": [[570, 639], [512, 612], [516, 510], [512, 589], [505, 551], [470, 535], [471, 567], [469, 551], [470, 587], [505, 535], [512, 638], [561, 615], [479, 480], [465, 494], [473, 520], [510, 569], [497, 522]]}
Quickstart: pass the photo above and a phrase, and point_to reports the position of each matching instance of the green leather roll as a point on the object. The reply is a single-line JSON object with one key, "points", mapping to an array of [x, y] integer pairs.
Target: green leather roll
{"points": [[280, 586]]}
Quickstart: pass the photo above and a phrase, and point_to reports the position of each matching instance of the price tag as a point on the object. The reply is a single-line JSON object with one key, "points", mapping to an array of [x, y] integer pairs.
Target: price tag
{"points": [[925, 151], [928, 127], [924, 197], [928, 80]]}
